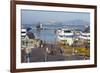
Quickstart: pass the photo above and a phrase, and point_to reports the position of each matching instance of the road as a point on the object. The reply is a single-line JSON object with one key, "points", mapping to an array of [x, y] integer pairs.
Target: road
{"points": [[40, 55]]}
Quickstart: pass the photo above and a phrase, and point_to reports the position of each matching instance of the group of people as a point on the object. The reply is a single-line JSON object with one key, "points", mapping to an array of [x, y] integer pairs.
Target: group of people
{"points": [[53, 49]]}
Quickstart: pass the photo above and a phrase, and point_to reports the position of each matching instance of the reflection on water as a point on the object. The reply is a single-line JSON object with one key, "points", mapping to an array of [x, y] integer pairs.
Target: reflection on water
{"points": [[46, 35]]}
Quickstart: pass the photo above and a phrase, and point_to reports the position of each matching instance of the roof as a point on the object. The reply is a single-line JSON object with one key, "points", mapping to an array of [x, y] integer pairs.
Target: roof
{"points": [[30, 35]]}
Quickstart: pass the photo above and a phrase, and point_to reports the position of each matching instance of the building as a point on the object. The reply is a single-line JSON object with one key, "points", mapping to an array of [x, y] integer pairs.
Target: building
{"points": [[28, 40]]}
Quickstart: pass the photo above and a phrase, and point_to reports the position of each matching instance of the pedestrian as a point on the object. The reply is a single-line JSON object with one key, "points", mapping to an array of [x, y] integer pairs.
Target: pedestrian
{"points": [[61, 51], [28, 54]]}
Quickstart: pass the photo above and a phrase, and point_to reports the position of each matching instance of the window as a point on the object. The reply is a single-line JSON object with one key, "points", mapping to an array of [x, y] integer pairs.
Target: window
{"points": [[67, 31]]}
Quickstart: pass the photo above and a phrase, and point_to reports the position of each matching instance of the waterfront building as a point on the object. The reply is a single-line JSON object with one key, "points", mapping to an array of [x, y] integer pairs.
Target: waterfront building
{"points": [[28, 40]]}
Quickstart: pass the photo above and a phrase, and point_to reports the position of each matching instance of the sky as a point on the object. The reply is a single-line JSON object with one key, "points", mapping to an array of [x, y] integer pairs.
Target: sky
{"points": [[36, 16]]}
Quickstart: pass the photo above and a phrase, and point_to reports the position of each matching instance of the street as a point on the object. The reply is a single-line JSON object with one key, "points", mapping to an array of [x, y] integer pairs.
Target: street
{"points": [[41, 55]]}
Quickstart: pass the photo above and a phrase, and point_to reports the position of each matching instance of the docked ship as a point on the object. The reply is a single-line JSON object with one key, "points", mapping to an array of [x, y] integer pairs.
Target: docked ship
{"points": [[65, 35], [69, 36]]}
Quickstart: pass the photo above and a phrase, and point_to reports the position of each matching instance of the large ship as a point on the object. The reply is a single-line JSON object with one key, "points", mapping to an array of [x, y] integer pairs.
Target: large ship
{"points": [[65, 35], [69, 36]]}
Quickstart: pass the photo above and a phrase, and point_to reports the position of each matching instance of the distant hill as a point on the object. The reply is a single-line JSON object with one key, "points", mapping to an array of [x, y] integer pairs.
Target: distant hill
{"points": [[77, 22]]}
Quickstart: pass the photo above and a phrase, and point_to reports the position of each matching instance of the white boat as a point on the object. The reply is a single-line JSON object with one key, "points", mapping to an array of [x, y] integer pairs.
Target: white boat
{"points": [[23, 32], [65, 34], [69, 35], [85, 36]]}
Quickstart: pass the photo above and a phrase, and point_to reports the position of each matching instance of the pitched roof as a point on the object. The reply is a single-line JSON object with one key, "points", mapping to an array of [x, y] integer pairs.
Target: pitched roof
{"points": [[30, 35]]}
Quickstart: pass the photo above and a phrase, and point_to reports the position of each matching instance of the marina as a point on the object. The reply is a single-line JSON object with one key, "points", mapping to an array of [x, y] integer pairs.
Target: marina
{"points": [[67, 43], [54, 36]]}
